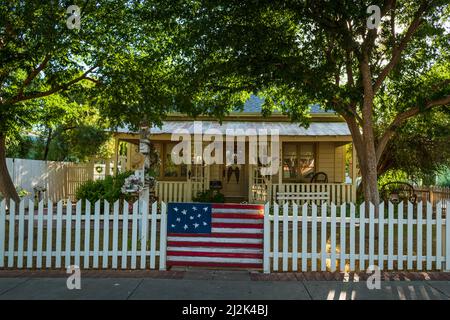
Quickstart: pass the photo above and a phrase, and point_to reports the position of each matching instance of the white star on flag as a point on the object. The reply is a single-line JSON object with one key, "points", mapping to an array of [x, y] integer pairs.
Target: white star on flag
{"points": [[185, 226], [196, 225], [205, 209], [184, 212], [175, 209], [194, 208]]}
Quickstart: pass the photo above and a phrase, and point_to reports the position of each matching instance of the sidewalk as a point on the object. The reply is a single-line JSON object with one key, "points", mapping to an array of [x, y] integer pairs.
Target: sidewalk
{"points": [[217, 285]]}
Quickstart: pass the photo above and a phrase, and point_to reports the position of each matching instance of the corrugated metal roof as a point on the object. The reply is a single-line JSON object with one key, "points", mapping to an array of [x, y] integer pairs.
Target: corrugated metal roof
{"points": [[285, 128]]}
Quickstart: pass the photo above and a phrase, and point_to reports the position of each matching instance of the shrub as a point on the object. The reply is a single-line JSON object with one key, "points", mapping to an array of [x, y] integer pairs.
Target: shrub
{"points": [[107, 189], [209, 196]]}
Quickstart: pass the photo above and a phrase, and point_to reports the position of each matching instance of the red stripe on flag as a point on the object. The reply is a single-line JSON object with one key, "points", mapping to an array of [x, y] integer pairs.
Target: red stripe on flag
{"points": [[237, 206], [214, 244], [218, 235], [238, 216], [237, 225], [215, 264], [215, 254]]}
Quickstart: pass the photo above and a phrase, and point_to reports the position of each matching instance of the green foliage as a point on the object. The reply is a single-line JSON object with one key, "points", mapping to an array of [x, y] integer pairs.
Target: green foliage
{"points": [[421, 147], [209, 196], [444, 177], [108, 189], [20, 191], [77, 144], [392, 176], [23, 147]]}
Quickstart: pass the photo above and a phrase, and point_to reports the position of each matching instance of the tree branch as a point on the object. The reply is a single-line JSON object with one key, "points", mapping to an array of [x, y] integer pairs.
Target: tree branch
{"points": [[33, 74], [53, 90], [402, 117], [397, 51]]}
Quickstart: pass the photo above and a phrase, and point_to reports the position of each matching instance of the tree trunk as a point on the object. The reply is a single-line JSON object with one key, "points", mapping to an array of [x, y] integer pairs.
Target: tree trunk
{"points": [[6, 185], [370, 183], [47, 143]]}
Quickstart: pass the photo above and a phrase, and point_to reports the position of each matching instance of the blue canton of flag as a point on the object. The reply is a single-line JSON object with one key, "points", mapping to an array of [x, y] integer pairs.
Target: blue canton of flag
{"points": [[189, 218]]}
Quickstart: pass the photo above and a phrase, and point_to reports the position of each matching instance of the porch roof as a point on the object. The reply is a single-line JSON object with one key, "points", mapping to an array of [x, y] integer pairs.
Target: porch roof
{"points": [[285, 128]]}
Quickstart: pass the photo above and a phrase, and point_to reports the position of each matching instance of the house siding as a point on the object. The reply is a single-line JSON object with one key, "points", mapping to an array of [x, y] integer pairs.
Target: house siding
{"points": [[331, 160]]}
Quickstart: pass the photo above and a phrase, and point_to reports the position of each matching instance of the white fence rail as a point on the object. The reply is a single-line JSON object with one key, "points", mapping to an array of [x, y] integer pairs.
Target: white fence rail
{"points": [[346, 238], [98, 236]]}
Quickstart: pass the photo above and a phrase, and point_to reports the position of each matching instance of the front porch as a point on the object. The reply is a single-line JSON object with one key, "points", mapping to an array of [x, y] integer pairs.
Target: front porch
{"points": [[324, 148]]}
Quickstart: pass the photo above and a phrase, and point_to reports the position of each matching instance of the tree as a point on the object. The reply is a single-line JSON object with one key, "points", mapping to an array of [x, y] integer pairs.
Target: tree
{"points": [[295, 53], [421, 147], [43, 55]]}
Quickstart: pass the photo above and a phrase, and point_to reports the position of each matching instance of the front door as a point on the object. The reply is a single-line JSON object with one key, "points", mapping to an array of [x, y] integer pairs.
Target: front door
{"points": [[234, 178]]}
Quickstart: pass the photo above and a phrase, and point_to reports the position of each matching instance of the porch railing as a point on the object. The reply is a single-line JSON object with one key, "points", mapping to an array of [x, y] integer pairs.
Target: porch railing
{"points": [[338, 193], [177, 191]]}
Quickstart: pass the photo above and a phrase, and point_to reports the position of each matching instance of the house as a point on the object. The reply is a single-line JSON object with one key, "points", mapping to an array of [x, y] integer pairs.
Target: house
{"points": [[322, 147]]}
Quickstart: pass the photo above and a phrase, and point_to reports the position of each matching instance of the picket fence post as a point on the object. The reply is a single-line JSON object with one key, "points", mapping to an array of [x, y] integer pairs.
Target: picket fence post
{"points": [[2, 232], [447, 237], [163, 237], [126, 209], [49, 246], [12, 218], [153, 235], [266, 253], [21, 234]]}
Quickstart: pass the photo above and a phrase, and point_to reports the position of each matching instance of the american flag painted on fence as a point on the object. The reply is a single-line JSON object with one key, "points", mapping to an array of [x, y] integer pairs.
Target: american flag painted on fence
{"points": [[215, 235]]}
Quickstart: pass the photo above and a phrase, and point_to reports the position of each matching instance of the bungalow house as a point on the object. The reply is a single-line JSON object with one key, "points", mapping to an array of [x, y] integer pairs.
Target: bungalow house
{"points": [[313, 160]]}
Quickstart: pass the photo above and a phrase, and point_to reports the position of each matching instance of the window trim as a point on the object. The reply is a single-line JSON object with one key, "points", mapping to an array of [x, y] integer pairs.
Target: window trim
{"points": [[298, 150]]}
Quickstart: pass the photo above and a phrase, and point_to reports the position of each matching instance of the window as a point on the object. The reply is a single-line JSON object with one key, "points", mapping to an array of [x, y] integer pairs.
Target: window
{"points": [[171, 170], [306, 160], [298, 161], [290, 161]]}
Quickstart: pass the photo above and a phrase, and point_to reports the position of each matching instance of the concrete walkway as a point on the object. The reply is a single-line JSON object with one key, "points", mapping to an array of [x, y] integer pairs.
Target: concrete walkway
{"points": [[216, 285]]}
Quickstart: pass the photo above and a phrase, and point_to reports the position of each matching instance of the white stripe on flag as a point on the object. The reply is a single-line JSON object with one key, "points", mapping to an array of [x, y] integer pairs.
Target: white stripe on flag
{"points": [[213, 249], [236, 230], [231, 220], [214, 240]]}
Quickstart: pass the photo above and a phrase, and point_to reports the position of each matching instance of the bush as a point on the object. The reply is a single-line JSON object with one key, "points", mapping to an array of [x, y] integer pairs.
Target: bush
{"points": [[106, 189], [209, 196]]}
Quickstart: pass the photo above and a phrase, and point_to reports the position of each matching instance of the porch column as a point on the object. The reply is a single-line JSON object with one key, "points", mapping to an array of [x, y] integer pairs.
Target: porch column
{"points": [[107, 167], [116, 155], [250, 183], [280, 171]]}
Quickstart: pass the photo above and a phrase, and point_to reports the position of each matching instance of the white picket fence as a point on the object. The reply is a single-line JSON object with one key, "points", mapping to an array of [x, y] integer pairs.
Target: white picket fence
{"points": [[304, 238], [104, 238], [296, 238]]}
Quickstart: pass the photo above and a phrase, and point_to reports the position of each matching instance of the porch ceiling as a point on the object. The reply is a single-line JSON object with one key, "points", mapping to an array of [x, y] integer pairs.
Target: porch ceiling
{"points": [[284, 128]]}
